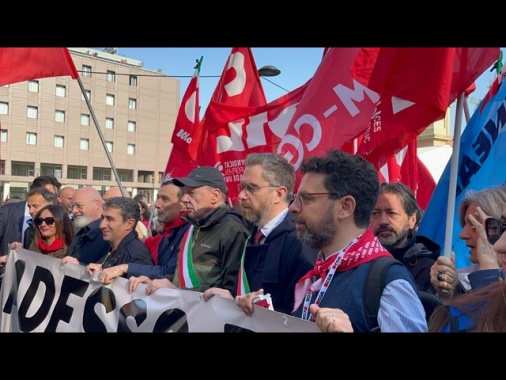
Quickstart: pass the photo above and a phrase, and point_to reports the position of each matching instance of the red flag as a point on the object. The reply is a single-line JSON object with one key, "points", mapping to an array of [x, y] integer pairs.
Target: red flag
{"points": [[187, 131], [21, 64]]}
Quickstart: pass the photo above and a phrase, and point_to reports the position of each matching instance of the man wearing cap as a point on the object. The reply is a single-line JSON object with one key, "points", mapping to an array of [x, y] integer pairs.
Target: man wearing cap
{"points": [[211, 249]]}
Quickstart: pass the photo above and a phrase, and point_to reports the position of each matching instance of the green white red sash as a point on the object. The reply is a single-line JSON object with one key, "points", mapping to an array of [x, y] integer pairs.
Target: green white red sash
{"points": [[242, 280], [187, 276]]}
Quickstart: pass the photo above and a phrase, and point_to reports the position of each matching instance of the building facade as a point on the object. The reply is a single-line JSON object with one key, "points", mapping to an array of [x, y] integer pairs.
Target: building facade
{"points": [[48, 127]]}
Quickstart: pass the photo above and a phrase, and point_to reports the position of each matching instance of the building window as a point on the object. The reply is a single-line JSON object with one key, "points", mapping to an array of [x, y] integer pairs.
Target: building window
{"points": [[109, 99], [2, 164], [77, 172], [59, 116], [61, 91], [132, 126], [111, 76], [31, 138], [88, 95], [85, 119], [109, 123], [32, 112], [4, 108], [109, 146], [50, 169], [33, 86], [101, 174], [86, 71], [23, 169], [133, 80], [132, 103], [131, 148], [126, 175], [84, 144], [3, 136], [58, 141]]}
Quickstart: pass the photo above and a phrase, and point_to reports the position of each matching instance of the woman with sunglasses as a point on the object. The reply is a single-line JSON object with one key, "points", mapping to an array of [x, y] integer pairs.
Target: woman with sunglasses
{"points": [[53, 231]]}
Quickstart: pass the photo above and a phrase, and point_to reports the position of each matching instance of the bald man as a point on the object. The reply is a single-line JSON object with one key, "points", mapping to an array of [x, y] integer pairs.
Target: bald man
{"points": [[65, 197]]}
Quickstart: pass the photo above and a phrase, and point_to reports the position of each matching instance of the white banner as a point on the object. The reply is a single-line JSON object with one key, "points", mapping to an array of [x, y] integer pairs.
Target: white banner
{"points": [[39, 294]]}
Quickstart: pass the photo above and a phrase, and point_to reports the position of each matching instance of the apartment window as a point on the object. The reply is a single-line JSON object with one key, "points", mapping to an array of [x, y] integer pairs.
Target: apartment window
{"points": [[132, 103], [4, 108], [131, 148], [133, 80], [24, 169], [109, 123], [109, 146], [33, 86], [84, 144], [88, 95], [126, 175], [51, 169], [31, 138], [109, 99], [3, 136], [2, 164], [85, 119], [61, 91], [86, 71], [32, 112], [77, 172], [111, 76], [132, 126], [101, 174], [58, 141], [59, 116]]}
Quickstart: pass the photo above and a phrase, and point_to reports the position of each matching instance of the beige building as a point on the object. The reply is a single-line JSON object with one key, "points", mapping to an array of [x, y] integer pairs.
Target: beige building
{"points": [[47, 127]]}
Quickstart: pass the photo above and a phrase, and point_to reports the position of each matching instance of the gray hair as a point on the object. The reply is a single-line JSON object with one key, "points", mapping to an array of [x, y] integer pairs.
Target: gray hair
{"points": [[491, 201], [129, 208], [275, 169]]}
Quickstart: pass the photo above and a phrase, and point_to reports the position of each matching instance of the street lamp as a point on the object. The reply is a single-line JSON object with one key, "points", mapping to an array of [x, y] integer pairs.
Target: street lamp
{"points": [[269, 71]]}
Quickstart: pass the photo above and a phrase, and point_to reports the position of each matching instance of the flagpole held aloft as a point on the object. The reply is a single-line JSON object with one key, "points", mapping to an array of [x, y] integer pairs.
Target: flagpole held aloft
{"points": [[102, 138], [453, 177]]}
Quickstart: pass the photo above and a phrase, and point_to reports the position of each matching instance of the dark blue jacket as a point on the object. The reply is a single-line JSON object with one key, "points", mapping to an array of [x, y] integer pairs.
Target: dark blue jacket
{"points": [[168, 250], [88, 245], [278, 264], [12, 217], [129, 250]]}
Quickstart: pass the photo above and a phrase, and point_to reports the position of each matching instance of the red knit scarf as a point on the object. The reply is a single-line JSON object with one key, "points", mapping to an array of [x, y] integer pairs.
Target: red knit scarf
{"points": [[54, 246], [365, 249], [152, 242]]}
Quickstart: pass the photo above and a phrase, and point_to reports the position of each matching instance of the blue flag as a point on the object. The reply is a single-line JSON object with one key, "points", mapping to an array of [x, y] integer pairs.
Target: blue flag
{"points": [[482, 164]]}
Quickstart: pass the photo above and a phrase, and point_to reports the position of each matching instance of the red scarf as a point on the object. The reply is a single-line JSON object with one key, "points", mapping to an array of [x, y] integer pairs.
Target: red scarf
{"points": [[365, 249], [152, 242], [54, 246]]}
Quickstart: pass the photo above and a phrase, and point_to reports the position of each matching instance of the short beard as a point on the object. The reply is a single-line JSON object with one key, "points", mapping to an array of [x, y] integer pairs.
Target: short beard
{"points": [[83, 221], [320, 234], [396, 239]]}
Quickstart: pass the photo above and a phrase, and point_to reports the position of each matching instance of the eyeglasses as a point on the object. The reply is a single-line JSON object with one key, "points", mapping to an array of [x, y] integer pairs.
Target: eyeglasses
{"points": [[494, 229], [250, 189], [49, 221], [301, 199], [80, 207]]}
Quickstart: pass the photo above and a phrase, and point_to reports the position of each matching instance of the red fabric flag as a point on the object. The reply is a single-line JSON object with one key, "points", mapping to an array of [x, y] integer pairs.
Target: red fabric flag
{"points": [[21, 64], [187, 131]]}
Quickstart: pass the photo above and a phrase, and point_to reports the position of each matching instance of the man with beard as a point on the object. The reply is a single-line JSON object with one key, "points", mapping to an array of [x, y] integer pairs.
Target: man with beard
{"points": [[395, 219], [332, 211], [274, 263], [88, 245]]}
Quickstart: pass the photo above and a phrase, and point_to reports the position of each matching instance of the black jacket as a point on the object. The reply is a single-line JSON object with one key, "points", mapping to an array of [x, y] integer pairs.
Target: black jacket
{"points": [[278, 263], [130, 250]]}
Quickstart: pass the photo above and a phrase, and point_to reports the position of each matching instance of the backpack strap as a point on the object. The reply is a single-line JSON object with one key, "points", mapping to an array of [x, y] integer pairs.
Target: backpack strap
{"points": [[373, 289]]}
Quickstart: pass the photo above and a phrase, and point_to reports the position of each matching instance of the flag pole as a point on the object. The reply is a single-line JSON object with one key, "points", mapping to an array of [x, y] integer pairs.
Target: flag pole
{"points": [[453, 177], [109, 157]]}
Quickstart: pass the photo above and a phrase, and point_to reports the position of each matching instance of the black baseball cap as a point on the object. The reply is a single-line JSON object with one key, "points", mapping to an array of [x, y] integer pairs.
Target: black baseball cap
{"points": [[203, 176]]}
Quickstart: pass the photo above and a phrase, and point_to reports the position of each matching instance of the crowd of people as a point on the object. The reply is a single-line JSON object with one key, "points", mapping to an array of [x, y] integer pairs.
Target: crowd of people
{"points": [[309, 252]]}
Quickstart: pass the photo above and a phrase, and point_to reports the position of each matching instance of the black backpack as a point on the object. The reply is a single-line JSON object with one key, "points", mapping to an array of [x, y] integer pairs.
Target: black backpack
{"points": [[374, 288]]}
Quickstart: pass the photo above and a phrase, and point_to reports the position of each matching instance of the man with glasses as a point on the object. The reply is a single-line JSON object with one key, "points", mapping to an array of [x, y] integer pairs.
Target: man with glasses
{"points": [[274, 263], [474, 209], [332, 209], [88, 245], [211, 249]]}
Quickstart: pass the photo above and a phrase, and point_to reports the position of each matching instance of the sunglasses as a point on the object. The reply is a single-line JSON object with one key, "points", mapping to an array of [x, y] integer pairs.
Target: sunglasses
{"points": [[494, 229], [49, 221]]}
